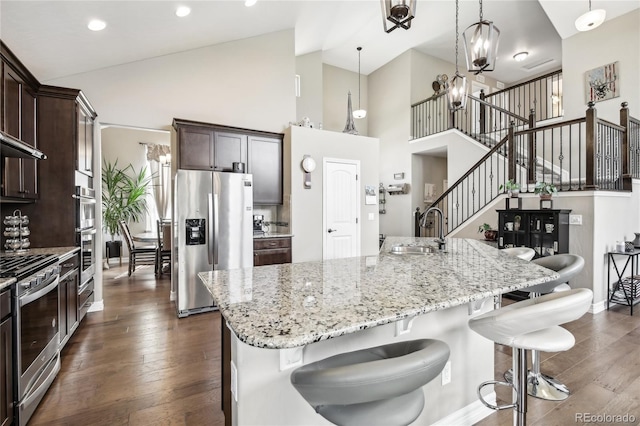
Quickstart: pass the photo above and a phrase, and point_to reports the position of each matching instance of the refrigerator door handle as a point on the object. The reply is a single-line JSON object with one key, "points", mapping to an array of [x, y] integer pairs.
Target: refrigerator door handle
{"points": [[216, 212], [210, 219]]}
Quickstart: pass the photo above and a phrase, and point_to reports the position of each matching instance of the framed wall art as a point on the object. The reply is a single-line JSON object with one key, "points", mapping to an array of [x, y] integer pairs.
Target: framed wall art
{"points": [[603, 83]]}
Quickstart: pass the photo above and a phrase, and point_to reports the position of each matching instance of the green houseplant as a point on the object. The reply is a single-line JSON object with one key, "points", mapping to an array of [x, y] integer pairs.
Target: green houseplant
{"points": [[512, 188], [489, 234], [545, 190], [123, 198]]}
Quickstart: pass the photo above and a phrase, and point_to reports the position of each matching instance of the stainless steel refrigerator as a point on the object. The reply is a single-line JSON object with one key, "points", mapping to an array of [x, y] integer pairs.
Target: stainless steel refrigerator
{"points": [[213, 225]]}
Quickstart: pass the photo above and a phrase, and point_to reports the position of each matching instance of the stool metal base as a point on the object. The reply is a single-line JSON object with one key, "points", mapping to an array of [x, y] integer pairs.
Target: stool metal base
{"points": [[542, 386]]}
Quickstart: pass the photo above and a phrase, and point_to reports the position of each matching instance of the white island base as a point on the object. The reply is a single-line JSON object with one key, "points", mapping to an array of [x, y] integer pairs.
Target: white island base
{"points": [[262, 393]]}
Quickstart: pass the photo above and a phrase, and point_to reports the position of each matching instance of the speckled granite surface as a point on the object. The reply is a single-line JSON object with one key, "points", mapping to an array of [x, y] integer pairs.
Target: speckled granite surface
{"points": [[284, 306], [57, 251]]}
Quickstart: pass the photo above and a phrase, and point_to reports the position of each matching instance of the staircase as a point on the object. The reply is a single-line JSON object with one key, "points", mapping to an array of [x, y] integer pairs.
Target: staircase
{"points": [[587, 153]]}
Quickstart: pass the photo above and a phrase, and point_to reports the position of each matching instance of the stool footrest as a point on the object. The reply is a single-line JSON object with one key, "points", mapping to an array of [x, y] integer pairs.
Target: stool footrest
{"points": [[488, 404]]}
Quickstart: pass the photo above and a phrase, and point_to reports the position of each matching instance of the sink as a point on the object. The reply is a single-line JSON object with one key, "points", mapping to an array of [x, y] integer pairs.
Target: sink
{"points": [[403, 249]]}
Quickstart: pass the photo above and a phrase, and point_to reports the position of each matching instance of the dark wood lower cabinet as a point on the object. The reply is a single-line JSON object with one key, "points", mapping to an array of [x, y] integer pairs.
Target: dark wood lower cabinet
{"points": [[271, 251], [6, 361]]}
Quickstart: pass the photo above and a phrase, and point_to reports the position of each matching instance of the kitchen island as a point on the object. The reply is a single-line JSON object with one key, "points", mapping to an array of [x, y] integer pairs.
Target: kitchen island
{"points": [[283, 316]]}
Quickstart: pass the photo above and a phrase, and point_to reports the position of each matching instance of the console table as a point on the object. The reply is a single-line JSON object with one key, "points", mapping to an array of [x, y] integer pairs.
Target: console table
{"points": [[626, 290]]}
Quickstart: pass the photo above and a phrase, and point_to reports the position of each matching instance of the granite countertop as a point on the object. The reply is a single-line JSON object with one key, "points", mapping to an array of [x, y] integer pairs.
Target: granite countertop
{"points": [[57, 251], [272, 235], [295, 304]]}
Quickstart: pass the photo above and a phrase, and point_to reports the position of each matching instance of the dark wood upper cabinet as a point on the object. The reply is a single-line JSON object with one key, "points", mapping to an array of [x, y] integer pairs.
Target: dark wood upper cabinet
{"points": [[265, 164], [18, 119], [195, 148], [204, 146], [228, 148]]}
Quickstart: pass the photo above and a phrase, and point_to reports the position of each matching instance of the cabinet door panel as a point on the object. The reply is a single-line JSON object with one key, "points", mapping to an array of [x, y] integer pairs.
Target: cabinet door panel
{"points": [[12, 90], [6, 373], [196, 149], [228, 149], [81, 142], [265, 164]]}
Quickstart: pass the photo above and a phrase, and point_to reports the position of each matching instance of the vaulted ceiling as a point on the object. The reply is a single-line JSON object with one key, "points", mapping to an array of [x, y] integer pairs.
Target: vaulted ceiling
{"points": [[52, 39]]}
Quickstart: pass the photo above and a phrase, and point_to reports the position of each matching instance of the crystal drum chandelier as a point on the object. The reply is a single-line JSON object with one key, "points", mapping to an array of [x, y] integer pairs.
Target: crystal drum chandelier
{"points": [[481, 45]]}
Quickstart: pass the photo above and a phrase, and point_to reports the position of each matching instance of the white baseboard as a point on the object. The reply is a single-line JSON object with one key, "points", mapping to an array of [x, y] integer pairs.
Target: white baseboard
{"points": [[96, 306], [596, 308], [469, 415]]}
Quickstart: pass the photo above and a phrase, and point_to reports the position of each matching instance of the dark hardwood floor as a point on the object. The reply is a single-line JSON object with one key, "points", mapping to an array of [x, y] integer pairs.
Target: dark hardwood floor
{"points": [[136, 363]]}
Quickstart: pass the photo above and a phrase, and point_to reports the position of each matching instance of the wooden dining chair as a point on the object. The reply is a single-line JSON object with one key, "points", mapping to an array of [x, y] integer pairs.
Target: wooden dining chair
{"points": [[142, 255], [164, 244]]}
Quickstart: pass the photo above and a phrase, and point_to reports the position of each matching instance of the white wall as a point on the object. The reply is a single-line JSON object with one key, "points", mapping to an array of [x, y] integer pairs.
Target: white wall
{"points": [[310, 102], [247, 83], [615, 40], [337, 83], [306, 204]]}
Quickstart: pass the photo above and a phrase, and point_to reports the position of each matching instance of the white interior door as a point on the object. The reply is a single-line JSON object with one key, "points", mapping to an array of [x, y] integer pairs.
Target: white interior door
{"points": [[341, 201]]}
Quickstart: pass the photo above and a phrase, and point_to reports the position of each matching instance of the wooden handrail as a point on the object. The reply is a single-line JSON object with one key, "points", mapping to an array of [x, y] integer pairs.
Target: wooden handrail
{"points": [[526, 83], [550, 126], [502, 110], [431, 98]]}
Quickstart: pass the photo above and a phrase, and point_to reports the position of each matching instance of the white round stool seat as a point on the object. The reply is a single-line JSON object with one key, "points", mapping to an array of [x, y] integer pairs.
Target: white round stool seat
{"points": [[532, 323], [525, 253]]}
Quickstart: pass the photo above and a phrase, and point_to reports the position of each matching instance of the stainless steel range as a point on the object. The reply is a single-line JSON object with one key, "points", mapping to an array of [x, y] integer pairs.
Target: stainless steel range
{"points": [[35, 303]]}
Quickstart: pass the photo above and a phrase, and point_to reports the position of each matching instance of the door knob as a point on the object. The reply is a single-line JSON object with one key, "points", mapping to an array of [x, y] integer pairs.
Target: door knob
{"points": [[331, 230]]}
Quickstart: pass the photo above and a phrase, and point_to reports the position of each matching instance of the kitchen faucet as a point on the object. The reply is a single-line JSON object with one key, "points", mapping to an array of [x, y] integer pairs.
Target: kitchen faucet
{"points": [[442, 245]]}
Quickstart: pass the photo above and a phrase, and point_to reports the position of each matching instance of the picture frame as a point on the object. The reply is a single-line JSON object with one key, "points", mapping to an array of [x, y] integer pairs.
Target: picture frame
{"points": [[602, 83]]}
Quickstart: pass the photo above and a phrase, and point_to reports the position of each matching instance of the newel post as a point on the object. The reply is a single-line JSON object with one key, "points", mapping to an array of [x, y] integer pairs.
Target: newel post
{"points": [[624, 122], [483, 114], [590, 148], [512, 152], [531, 167]]}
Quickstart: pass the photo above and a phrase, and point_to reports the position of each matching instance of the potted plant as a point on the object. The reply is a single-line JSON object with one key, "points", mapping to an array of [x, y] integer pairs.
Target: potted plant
{"points": [[545, 190], [512, 188], [489, 234], [123, 198]]}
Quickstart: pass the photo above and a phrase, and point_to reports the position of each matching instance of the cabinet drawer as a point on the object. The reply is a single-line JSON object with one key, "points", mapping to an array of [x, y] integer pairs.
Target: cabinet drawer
{"points": [[271, 243], [68, 264], [5, 304]]}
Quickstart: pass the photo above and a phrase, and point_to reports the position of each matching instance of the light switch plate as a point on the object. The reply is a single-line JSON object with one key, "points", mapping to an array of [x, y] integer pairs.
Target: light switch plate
{"points": [[575, 219]]}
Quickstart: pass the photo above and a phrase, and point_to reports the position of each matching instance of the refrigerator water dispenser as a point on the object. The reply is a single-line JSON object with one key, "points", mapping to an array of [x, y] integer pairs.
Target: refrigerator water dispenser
{"points": [[195, 231]]}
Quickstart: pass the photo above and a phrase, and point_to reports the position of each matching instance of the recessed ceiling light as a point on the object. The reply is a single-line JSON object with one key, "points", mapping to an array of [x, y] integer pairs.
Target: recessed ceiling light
{"points": [[519, 57], [250, 3], [183, 11], [97, 25]]}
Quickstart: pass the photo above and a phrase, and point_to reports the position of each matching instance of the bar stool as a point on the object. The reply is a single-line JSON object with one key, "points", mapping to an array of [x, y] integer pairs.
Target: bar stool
{"points": [[373, 386], [567, 266], [525, 253], [531, 324]]}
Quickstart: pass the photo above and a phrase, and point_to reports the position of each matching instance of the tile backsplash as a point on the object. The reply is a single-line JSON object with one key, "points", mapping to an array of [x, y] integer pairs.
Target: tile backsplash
{"points": [[277, 218]]}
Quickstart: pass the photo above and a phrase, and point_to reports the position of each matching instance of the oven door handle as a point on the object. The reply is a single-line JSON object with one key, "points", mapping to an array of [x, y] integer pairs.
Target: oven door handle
{"points": [[86, 231], [24, 300], [84, 200]]}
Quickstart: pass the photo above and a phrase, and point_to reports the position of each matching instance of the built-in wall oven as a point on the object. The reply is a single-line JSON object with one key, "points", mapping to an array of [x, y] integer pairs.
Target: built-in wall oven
{"points": [[36, 329], [86, 231]]}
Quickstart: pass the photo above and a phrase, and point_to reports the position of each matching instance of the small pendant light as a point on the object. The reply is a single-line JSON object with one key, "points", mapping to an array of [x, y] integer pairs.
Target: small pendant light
{"points": [[397, 14], [590, 20], [481, 45], [359, 113], [457, 96]]}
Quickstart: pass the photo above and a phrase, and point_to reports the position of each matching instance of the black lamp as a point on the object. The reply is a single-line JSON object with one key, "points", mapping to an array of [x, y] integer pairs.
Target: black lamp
{"points": [[481, 45]]}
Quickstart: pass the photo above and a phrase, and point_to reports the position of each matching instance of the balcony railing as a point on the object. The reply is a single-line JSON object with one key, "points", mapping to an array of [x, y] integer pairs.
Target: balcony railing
{"points": [[542, 94], [585, 153]]}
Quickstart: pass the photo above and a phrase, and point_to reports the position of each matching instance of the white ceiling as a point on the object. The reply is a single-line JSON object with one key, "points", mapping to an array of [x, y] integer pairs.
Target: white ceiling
{"points": [[52, 40]]}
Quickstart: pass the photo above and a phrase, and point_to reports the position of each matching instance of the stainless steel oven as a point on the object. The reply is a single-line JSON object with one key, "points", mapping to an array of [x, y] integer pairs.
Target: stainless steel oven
{"points": [[85, 208], [87, 243], [36, 329], [86, 231]]}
